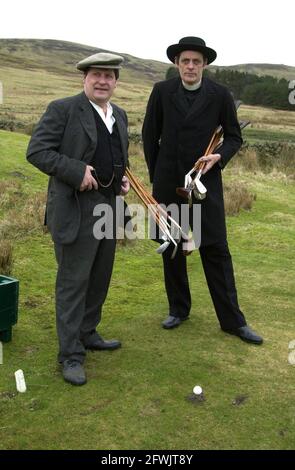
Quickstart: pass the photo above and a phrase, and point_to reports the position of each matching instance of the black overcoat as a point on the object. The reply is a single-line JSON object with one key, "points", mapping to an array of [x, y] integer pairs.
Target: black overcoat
{"points": [[176, 135]]}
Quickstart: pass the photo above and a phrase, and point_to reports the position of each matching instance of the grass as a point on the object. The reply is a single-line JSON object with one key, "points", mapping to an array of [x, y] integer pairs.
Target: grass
{"points": [[267, 119], [139, 397], [5, 257], [265, 135]]}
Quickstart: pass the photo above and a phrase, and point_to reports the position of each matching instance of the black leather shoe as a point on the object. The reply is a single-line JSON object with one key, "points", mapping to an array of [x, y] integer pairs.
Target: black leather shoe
{"points": [[173, 322], [100, 344], [73, 372], [246, 334]]}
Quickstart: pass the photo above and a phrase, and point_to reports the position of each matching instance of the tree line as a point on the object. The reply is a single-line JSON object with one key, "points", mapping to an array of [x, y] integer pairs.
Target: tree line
{"points": [[252, 89]]}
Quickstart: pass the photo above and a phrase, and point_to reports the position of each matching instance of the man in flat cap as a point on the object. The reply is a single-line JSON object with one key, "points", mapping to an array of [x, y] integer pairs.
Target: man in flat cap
{"points": [[181, 117], [81, 142]]}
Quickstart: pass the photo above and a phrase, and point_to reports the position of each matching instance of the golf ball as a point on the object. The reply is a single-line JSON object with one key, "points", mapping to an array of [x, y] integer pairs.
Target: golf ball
{"points": [[197, 390]]}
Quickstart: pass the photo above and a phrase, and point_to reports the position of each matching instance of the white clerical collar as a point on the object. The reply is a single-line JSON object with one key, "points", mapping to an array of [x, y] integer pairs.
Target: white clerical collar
{"points": [[109, 118], [193, 87]]}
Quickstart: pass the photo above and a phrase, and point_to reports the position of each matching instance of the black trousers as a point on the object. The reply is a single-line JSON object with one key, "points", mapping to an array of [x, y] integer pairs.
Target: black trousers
{"points": [[83, 278], [218, 269]]}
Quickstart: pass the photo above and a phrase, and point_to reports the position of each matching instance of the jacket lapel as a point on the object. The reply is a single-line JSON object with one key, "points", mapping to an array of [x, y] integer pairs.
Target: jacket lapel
{"points": [[179, 100], [87, 119], [122, 132], [203, 99], [88, 122]]}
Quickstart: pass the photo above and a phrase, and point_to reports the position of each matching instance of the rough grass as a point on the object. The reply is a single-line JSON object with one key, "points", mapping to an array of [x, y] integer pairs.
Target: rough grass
{"points": [[25, 218], [6, 259], [266, 158], [267, 118], [271, 134], [139, 397], [236, 198]]}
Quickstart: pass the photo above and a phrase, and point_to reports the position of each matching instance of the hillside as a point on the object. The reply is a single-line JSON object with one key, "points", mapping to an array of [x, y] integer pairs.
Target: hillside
{"points": [[275, 70], [34, 72], [61, 56]]}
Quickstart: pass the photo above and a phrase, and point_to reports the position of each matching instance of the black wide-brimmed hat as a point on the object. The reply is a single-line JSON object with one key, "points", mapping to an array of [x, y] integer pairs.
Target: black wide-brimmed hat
{"points": [[191, 43]]}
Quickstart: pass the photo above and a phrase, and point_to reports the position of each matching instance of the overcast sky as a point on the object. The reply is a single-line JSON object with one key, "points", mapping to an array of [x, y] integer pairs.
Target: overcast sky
{"points": [[248, 31]]}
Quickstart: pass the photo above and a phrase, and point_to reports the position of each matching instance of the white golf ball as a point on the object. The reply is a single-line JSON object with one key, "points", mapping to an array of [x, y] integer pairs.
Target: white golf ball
{"points": [[197, 390]]}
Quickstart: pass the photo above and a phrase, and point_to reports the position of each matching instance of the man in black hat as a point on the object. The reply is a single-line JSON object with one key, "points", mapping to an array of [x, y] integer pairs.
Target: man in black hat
{"points": [[182, 115], [81, 142]]}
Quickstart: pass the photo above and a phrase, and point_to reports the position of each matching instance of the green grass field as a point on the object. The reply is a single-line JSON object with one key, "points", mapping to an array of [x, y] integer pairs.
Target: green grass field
{"points": [[139, 397]]}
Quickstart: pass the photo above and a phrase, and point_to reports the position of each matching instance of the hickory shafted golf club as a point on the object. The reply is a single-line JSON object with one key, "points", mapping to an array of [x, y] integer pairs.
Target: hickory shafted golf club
{"points": [[194, 185], [163, 220]]}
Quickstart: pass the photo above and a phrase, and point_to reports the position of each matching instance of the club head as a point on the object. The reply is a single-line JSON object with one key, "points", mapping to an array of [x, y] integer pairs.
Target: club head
{"points": [[188, 179], [163, 247], [199, 190], [188, 247], [183, 192], [198, 195]]}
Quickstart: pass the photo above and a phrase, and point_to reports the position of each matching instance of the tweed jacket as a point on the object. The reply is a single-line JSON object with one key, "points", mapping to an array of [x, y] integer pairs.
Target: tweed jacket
{"points": [[61, 146]]}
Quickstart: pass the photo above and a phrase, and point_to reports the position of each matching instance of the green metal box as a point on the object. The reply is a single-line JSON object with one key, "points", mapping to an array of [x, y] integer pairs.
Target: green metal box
{"points": [[9, 289]]}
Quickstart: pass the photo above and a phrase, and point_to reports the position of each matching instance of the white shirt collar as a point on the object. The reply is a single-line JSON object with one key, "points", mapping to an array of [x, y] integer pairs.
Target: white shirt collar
{"points": [[193, 87], [109, 118]]}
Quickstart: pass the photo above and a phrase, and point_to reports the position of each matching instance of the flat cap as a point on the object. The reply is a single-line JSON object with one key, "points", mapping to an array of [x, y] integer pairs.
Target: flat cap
{"points": [[101, 60]]}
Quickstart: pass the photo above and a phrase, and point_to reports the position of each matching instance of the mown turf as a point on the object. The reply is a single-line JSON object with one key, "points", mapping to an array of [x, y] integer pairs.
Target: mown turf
{"points": [[139, 397]]}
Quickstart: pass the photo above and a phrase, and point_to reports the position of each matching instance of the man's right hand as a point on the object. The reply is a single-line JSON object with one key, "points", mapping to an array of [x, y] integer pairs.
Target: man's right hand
{"points": [[88, 182]]}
